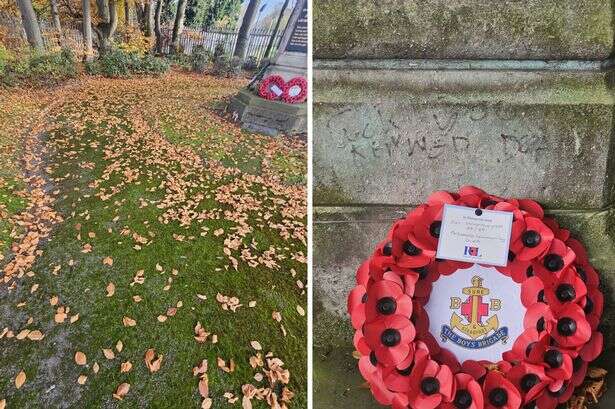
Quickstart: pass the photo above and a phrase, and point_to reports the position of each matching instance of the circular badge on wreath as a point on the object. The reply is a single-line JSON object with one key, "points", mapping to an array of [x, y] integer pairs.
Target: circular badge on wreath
{"points": [[295, 91], [436, 333], [272, 87]]}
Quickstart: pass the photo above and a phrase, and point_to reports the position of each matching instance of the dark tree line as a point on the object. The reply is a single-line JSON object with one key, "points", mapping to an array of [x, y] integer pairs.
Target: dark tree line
{"points": [[150, 15]]}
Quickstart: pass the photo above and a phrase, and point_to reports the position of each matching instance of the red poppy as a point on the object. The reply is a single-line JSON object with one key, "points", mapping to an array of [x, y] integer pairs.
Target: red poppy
{"points": [[382, 259], [593, 348], [525, 342], [442, 197], [588, 274], [532, 208], [360, 343], [593, 305], [431, 383], [469, 200], [468, 190], [540, 317], [474, 368], [448, 267], [571, 329], [362, 276], [397, 379], [582, 265], [446, 357], [518, 224], [567, 288], [536, 349], [485, 200], [356, 306], [426, 231], [534, 241], [387, 298], [518, 270], [560, 233], [369, 368], [556, 393], [419, 318], [557, 258], [409, 280], [579, 371], [427, 275], [532, 291], [390, 338], [587, 354], [407, 253], [500, 393], [557, 362], [468, 393], [380, 392], [529, 379]]}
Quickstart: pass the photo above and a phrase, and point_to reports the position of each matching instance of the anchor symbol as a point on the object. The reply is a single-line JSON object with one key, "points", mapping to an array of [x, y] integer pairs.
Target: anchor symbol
{"points": [[474, 310]]}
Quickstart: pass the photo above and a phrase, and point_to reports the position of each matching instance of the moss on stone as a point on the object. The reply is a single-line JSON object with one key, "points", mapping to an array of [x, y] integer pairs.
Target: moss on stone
{"points": [[538, 29], [330, 195]]}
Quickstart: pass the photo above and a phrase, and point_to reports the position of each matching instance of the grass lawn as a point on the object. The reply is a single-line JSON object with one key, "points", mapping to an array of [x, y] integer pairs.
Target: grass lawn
{"points": [[167, 216]]}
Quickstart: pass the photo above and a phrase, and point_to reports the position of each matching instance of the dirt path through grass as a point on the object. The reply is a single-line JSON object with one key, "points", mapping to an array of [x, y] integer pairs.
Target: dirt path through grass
{"points": [[173, 232]]}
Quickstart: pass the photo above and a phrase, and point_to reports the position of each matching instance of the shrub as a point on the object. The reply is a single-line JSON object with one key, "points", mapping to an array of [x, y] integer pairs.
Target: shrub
{"points": [[183, 61], [134, 41], [226, 66], [200, 59], [219, 51], [5, 56], [53, 66], [250, 64], [38, 67], [118, 63]]}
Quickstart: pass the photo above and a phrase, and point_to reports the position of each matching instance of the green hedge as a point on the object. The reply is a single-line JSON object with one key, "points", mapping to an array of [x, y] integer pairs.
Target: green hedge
{"points": [[40, 67], [118, 63]]}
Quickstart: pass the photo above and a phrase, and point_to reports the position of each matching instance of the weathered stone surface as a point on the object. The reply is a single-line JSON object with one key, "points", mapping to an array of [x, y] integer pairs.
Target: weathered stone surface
{"points": [[512, 29], [268, 117], [392, 136], [344, 237]]}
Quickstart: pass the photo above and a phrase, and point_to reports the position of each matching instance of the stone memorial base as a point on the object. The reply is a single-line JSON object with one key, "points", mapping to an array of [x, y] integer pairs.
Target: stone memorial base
{"points": [[289, 66], [268, 117], [387, 133]]}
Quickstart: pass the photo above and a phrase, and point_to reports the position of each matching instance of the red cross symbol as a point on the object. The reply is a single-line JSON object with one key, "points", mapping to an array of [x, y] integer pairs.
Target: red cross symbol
{"points": [[482, 310]]}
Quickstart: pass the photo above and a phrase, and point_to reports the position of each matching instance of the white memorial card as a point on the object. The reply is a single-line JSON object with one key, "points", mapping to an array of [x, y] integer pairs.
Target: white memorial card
{"points": [[475, 235]]}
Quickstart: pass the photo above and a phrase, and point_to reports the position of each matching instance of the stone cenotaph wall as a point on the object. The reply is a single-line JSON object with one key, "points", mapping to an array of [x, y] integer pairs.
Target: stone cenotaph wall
{"points": [[414, 96], [277, 117]]}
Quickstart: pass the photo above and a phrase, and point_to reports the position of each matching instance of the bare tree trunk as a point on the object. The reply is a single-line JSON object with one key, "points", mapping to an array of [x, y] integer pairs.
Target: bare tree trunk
{"points": [[241, 48], [107, 12], [87, 30], [157, 29], [126, 13], [30, 24], [275, 30], [149, 18], [55, 16], [178, 27]]}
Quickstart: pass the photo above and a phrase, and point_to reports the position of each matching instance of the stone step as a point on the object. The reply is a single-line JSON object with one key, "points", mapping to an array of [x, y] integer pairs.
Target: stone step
{"points": [[473, 29], [390, 132]]}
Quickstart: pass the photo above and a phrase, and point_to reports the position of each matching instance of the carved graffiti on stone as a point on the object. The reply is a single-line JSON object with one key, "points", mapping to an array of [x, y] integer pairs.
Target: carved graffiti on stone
{"points": [[373, 132]]}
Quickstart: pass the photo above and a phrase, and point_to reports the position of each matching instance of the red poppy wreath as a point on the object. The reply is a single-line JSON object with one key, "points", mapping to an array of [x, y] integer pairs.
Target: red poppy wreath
{"points": [[272, 87], [406, 366], [295, 91]]}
